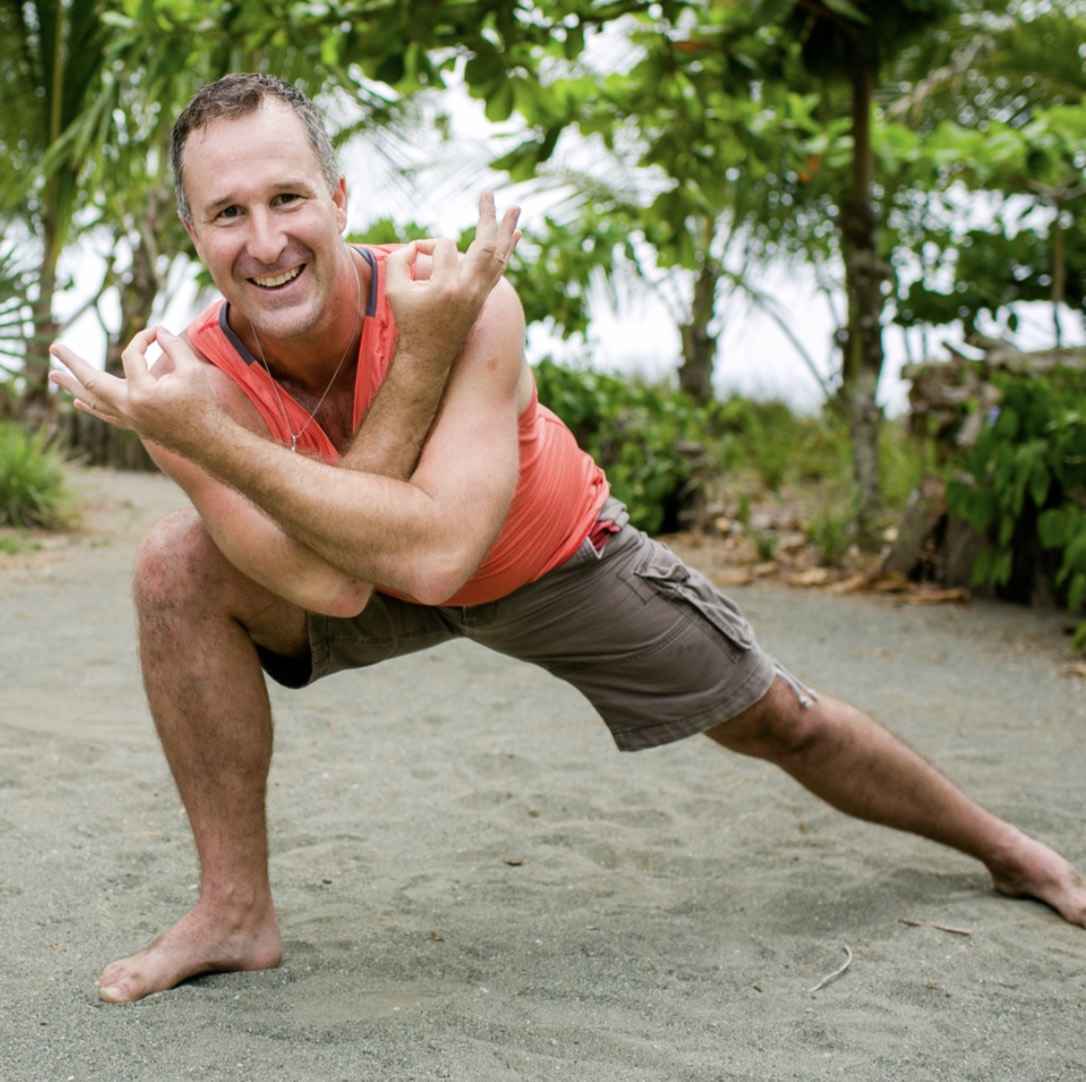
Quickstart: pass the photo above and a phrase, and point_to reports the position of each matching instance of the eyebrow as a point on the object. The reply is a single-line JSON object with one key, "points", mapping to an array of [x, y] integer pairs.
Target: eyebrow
{"points": [[291, 185]]}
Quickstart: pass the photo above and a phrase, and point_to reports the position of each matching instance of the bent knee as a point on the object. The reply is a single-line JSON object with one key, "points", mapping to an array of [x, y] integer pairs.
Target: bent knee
{"points": [[178, 561], [778, 726]]}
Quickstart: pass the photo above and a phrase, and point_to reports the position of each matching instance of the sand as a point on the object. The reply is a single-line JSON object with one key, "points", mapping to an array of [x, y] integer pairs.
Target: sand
{"points": [[474, 885]]}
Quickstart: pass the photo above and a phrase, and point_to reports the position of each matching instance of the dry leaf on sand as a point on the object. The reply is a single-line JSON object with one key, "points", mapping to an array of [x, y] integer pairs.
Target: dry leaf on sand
{"points": [[814, 576], [734, 576], [955, 594]]}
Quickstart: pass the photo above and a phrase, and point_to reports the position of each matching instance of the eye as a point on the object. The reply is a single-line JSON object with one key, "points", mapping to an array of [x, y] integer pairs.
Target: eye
{"points": [[228, 214], [285, 198]]}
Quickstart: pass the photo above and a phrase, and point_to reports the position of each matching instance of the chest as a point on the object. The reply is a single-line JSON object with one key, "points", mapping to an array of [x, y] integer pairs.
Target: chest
{"points": [[334, 415]]}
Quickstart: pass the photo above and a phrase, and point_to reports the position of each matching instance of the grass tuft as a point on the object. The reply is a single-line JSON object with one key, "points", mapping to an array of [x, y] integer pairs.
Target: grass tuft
{"points": [[32, 487]]}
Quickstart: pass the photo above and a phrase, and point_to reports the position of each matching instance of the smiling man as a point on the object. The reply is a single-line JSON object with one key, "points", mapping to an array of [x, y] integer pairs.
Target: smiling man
{"points": [[371, 474]]}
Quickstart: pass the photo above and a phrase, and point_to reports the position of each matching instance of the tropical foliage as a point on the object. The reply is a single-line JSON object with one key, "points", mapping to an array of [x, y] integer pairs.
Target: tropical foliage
{"points": [[32, 487], [651, 441], [682, 144], [1026, 489]]}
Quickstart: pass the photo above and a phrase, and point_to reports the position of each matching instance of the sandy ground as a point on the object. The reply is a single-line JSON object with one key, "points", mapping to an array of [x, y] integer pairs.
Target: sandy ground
{"points": [[475, 886]]}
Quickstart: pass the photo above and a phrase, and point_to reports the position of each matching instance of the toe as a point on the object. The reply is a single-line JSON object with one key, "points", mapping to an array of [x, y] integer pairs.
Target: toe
{"points": [[116, 992]]}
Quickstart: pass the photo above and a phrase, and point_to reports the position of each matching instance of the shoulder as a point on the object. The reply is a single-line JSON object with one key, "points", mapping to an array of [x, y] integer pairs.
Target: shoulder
{"points": [[502, 315], [227, 391]]}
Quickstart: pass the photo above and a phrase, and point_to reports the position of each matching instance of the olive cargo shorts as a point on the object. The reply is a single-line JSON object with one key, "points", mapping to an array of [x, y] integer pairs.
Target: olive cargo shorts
{"points": [[652, 644]]}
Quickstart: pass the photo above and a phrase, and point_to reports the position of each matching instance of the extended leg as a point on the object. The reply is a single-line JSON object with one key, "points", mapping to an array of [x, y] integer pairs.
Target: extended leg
{"points": [[198, 618], [842, 756]]}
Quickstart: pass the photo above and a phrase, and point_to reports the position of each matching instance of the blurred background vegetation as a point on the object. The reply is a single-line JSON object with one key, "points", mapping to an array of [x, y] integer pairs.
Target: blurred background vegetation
{"points": [[923, 160]]}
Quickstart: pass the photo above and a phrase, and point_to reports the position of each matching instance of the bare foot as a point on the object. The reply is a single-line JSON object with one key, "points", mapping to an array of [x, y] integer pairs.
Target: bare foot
{"points": [[200, 942], [1035, 871]]}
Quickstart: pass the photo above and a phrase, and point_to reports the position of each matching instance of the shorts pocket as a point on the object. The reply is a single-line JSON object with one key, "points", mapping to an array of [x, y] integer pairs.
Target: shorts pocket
{"points": [[664, 573]]}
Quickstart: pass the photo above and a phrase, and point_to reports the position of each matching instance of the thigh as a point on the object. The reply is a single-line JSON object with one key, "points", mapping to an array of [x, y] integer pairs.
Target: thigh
{"points": [[385, 629], [654, 646]]}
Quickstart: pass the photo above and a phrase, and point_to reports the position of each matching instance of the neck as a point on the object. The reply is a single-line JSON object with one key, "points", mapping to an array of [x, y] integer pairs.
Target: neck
{"points": [[309, 361]]}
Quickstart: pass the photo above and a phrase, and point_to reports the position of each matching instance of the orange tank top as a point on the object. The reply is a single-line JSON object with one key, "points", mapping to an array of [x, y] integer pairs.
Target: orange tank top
{"points": [[560, 489]]}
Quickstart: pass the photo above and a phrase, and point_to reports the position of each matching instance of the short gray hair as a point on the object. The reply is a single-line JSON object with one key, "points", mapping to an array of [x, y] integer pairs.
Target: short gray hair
{"points": [[238, 95]]}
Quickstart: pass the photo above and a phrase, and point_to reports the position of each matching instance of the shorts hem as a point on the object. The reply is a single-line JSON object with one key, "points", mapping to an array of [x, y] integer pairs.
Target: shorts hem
{"points": [[751, 691]]}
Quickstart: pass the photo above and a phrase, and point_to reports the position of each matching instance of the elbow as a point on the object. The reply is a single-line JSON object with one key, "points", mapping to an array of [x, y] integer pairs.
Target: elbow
{"points": [[346, 602], [440, 576]]}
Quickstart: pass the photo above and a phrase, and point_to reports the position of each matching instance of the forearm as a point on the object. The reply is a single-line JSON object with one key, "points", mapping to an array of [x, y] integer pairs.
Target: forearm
{"points": [[391, 436], [259, 547], [288, 568], [387, 444], [304, 565], [363, 524]]}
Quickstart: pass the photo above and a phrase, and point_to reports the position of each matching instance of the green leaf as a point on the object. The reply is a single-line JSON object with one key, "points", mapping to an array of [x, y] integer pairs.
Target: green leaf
{"points": [[1079, 640], [981, 574], [1007, 424], [1077, 593], [1039, 482], [391, 69], [1052, 527], [848, 9], [1006, 530], [500, 102]]}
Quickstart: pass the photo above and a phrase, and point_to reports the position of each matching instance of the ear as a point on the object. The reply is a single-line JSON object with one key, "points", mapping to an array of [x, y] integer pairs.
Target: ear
{"points": [[339, 197], [191, 230]]}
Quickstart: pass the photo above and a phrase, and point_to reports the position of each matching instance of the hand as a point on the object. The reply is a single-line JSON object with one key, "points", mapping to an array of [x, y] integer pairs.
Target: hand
{"points": [[435, 315], [173, 405]]}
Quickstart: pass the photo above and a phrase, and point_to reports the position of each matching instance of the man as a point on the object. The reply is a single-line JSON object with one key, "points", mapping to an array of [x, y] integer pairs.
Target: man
{"points": [[413, 490]]}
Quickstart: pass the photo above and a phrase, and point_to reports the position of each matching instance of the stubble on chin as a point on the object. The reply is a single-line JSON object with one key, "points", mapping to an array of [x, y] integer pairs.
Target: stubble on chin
{"points": [[295, 321]]}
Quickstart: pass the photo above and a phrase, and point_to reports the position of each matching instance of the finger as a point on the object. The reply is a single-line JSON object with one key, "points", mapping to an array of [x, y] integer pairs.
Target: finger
{"points": [[84, 380], [446, 259], [398, 265], [71, 360], [487, 230], [508, 234], [176, 348], [488, 220], [102, 415], [82, 398], [134, 357], [66, 382], [490, 252]]}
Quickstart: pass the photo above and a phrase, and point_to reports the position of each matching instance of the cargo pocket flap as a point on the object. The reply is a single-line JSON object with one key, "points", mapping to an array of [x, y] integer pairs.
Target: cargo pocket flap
{"points": [[667, 574]]}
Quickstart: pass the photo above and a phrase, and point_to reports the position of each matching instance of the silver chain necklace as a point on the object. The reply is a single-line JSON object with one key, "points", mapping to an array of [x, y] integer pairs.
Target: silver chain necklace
{"points": [[296, 436]]}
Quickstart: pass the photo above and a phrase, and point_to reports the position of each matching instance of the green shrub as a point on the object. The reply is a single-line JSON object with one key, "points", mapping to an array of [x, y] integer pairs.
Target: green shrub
{"points": [[831, 534], [635, 431], [1025, 489], [764, 437], [32, 489], [783, 447], [765, 544], [904, 461]]}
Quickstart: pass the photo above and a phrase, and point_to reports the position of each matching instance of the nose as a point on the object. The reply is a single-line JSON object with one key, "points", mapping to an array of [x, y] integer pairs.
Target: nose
{"points": [[266, 240]]}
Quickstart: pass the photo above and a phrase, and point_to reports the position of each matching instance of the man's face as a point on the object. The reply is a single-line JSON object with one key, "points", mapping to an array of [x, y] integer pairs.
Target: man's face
{"points": [[263, 220]]}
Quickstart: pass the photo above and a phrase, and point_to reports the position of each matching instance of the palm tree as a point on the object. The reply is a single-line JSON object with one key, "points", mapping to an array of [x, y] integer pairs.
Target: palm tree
{"points": [[52, 54]]}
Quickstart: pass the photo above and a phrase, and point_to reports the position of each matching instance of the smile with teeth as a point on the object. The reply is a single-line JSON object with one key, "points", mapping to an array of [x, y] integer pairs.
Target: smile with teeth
{"points": [[276, 280]]}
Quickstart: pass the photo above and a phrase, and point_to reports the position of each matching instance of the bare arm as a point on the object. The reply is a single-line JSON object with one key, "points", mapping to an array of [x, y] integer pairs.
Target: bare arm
{"points": [[424, 537], [205, 449], [388, 443], [252, 541]]}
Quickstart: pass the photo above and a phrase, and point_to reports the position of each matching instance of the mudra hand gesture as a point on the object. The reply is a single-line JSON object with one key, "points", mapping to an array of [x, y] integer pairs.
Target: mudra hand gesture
{"points": [[171, 403]]}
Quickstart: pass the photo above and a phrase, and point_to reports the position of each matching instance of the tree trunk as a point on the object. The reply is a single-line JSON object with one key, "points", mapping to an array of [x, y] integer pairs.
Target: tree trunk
{"points": [[96, 442], [37, 403], [138, 288], [698, 346], [1059, 272], [864, 274]]}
